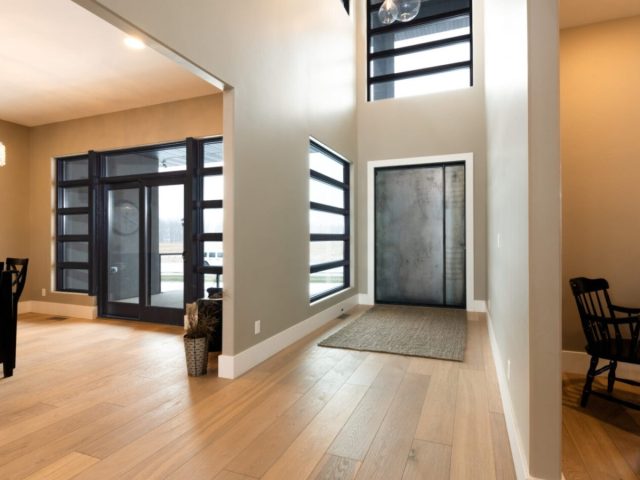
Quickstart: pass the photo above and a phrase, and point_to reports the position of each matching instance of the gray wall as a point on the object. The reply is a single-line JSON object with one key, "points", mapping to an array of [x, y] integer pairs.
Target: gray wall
{"points": [[291, 66], [524, 218]]}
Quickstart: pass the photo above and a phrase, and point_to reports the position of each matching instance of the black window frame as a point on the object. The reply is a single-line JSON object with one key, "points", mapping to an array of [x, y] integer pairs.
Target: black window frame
{"points": [[199, 206], [193, 174], [398, 26], [345, 186], [61, 264]]}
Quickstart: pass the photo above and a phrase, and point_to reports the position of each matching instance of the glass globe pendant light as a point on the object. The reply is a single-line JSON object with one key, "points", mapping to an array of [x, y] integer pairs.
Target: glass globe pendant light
{"points": [[388, 12], [408, 9]]}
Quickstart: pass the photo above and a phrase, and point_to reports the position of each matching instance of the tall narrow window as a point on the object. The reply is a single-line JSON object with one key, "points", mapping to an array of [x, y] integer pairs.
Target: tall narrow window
{"points": [[329, 247], [73, 224], [210, 214], [431, 53]]}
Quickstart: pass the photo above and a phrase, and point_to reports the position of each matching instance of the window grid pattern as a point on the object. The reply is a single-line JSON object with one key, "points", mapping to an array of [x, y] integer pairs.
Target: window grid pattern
{"points": [[432, 52], [74, 201], [329, 222], [78, 179], [208, 212]]}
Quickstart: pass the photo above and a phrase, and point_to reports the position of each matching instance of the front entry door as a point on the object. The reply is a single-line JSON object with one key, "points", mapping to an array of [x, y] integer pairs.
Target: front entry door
{"points": [[420, 235], [143, 252]]}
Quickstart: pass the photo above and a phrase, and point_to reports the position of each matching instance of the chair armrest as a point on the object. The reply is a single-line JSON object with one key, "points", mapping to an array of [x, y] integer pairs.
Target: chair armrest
{"points": [[627, 310], [617, 321]]}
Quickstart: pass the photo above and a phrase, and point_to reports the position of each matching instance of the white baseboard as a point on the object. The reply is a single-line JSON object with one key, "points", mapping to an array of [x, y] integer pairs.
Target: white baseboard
{"points": [[232, 366], [479, 306], [520, 461], [63, 309], [365, 299], [578, 363]]}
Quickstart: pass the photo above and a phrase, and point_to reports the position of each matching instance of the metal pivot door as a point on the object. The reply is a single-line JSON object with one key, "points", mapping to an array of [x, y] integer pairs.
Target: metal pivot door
{"points": [[420, 235], [143, 252]]}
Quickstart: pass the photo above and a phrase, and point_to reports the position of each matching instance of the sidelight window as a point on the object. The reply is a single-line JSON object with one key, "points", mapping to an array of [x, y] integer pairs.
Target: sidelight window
{"points": [[329, 247], [73, 224]]}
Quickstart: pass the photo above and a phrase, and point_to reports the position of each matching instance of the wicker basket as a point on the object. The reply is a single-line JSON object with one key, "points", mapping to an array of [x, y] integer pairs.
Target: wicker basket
{"points": [[197, 353]]}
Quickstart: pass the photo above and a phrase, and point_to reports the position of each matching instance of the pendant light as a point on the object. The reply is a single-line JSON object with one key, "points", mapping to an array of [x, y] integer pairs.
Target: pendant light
{"points": [[402, 10], [3, 155], [408, 9], [388, 12]]}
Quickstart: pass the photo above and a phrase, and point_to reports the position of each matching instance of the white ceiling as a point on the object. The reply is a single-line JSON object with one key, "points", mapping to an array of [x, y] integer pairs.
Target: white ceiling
{"points": [[58, 62], [574, 13]]}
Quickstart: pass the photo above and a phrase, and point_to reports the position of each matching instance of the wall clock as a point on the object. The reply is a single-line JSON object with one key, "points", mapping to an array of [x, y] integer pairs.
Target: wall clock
{"points": [[126, 218]]}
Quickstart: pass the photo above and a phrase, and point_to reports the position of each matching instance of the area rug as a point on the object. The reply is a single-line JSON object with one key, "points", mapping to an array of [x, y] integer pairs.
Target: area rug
{"points": [[417, 331]]}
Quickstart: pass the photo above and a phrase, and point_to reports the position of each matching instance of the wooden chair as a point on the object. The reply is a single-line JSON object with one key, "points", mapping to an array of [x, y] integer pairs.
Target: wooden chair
{"points": [[7, 325], [18, 267], [609, 337]]}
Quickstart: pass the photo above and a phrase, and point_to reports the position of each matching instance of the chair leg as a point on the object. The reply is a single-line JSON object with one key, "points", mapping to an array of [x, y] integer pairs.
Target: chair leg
{"points": [[587, 385], [7, 369], [612, 375]]}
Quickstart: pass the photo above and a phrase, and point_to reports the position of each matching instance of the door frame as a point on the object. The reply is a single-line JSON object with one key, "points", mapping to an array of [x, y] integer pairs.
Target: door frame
{"points": [[467, 158], [166, 315]]}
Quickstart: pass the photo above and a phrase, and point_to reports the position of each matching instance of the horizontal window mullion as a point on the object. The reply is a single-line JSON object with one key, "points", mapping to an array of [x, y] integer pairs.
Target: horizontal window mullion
{"points": [[73, 265], [422, 47], [209, 269], [73, 238], [321, 267], [206, 171], [153, 179], [328, 208], [320, 296], [419, 73], [73, 211], [209, 237], [328, 237], [209, 204], [74, 183], [331, 181], [399, 26]]}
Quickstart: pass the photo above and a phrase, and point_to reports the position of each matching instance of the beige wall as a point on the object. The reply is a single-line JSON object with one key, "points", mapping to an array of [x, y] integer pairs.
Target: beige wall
{"points": [[14, 192], [436, 124], [600, 100], [524, 221], [289, 67], [142, 126]]}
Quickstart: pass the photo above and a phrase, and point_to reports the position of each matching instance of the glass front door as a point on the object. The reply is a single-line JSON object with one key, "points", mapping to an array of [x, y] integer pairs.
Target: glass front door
{"points": [[143, 253]]}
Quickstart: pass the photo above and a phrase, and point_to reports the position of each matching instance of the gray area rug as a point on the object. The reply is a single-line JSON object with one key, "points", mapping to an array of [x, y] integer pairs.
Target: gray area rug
{"points": [[418, 331]]}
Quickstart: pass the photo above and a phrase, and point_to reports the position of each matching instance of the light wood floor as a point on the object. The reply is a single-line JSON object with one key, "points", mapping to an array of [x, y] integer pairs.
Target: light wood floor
{"points": [[602, 441], [111, 400]]}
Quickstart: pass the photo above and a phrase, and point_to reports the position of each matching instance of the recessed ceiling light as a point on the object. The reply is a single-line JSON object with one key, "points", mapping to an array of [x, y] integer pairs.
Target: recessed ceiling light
{"points": [[133, 42]]}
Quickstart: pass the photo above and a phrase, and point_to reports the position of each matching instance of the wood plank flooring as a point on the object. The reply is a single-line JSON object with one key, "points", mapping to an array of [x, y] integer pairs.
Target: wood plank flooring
{"points": [[111, 399], [602, 441]]}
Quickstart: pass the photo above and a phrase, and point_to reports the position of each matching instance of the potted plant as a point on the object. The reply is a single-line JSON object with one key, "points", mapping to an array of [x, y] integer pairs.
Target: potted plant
{"points": [[196, 343]]}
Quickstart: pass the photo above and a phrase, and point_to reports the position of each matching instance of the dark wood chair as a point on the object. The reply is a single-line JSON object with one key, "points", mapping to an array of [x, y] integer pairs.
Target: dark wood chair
{"points": [[18, 267], [612, 334], [8, 326]]}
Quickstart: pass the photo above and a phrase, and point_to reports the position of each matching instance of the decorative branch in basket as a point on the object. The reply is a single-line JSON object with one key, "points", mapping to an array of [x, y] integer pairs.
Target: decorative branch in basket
{"points": [[195, 327], [196, 342]]}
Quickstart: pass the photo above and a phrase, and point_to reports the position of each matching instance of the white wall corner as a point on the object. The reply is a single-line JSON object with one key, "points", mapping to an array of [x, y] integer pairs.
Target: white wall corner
{"points": [[232, 366], [25, 307], [87, 312], [365, 299], [520, 461], [578, 363], [479, 306]]}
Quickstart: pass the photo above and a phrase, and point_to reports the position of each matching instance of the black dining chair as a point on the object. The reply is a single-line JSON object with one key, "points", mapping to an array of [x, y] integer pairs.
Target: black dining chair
{"points": [[611, 332], [7, 325], [18, 268]]}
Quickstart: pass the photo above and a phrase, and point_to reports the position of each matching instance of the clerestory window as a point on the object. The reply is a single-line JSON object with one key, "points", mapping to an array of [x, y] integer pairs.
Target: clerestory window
{"points": [[431, 53]]}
